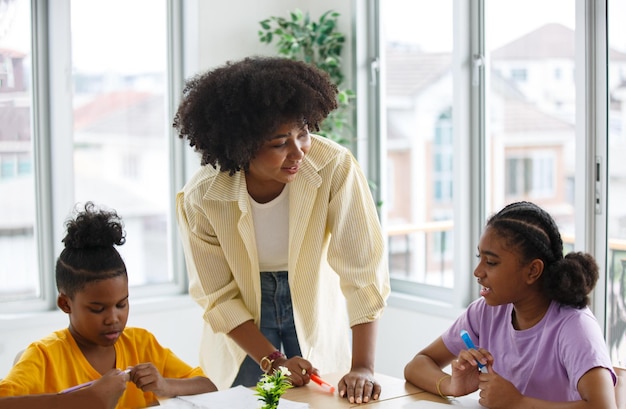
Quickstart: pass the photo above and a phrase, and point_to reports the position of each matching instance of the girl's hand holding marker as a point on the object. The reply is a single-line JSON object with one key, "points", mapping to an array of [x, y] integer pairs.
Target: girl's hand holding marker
{"points": [[470, 345]]}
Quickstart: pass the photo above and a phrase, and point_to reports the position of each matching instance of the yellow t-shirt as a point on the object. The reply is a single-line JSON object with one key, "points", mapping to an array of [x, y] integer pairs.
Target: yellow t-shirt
{"points": [[55, 363]]}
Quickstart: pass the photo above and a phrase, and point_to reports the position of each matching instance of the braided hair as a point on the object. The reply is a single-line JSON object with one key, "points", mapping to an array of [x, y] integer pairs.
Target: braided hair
{"points": [[566, 279], [227, 113], [89, 254]]}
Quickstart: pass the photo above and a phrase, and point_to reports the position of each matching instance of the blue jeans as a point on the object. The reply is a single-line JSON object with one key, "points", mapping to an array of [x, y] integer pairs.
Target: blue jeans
{"points": [[277, 324]]}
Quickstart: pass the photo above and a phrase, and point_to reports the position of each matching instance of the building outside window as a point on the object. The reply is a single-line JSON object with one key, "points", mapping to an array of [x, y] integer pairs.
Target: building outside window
{"points": [[108, 139], [519, 69]]}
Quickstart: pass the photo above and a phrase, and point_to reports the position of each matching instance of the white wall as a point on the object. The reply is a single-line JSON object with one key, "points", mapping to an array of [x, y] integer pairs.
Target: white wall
{"points": [[177, 324], [228, 30]]}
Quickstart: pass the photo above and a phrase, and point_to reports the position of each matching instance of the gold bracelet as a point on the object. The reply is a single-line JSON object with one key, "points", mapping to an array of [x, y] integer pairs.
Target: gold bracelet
{"points": [[439, 386]]}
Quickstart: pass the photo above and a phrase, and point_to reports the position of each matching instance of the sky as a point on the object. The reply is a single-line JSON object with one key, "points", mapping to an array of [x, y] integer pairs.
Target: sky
{"points": [[100, 27], [14, 25], [429, 23]]}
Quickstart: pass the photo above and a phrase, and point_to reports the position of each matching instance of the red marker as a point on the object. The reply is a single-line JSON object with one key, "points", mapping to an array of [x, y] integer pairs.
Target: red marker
{"points": [[325, 385]]}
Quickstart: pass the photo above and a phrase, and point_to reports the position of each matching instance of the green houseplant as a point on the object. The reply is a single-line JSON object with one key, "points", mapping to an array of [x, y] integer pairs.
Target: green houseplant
{"points": [[271, 387], [318, 43]]}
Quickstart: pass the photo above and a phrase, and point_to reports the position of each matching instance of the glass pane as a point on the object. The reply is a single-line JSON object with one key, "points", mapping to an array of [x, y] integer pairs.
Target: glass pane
{"points": [[121, 157], [18, 252], [417, 42], [531, 100], [616, 257]]}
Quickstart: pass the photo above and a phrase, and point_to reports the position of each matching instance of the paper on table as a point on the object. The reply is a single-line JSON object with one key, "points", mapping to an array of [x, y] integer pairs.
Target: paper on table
{"points": [[461, 402], [175, 403], [238, 397]]}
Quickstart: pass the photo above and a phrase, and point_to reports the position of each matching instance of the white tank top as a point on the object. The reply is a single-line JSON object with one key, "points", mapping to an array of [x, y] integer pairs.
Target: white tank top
{"points": [[271, 227]]}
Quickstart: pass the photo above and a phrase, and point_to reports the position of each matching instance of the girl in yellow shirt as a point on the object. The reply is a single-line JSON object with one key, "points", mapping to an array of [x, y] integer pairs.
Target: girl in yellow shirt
{"points": [[129, 366]]}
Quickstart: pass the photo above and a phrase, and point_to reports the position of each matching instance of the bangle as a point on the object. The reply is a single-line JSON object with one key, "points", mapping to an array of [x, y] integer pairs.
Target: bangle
{"points": [[267, 362], [439, 386]]}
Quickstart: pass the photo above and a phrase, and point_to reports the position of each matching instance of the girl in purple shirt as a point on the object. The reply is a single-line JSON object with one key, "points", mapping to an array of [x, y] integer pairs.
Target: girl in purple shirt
{"points": [[541, 345]]}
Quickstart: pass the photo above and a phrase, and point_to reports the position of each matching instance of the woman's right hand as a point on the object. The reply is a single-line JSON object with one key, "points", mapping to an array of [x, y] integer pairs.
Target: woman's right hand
{"points": [[300, 369]]}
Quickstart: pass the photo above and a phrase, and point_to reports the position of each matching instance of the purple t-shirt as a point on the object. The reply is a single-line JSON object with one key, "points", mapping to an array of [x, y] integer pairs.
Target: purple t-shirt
{"points": [[545, 361]]}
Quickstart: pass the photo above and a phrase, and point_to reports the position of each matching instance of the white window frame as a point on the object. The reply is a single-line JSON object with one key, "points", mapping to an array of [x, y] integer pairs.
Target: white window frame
{"points": [[52, 120], [468, 107]]}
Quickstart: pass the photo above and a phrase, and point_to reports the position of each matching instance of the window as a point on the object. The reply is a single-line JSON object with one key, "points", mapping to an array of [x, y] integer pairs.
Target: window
{"points": [[557, 73], [443, 156], [529, 177], [18, 269], [417, 71], [616, 224], [104, 136], [519, 74], [120, 126], [531, 124], [481, 106]]}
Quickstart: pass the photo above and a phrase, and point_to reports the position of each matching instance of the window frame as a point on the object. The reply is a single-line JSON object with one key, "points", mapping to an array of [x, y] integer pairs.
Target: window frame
{"points": [[52, 107], [52, 120], [469, 119]]}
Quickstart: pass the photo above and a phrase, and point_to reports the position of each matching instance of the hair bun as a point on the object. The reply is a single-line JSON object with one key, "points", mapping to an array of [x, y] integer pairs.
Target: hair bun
{"points": [[94, 228]]}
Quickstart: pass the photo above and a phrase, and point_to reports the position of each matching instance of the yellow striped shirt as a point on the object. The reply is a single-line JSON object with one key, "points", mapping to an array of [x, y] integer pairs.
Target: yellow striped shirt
{"points": [[335, 247]]}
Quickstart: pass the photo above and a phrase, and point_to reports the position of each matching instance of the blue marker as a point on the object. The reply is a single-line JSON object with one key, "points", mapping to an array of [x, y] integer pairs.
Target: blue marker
{"points": [[470, 345]]}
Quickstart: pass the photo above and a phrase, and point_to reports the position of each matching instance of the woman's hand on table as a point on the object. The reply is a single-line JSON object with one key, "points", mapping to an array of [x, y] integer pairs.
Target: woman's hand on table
{"points": [[300, 369], [359, 386]]}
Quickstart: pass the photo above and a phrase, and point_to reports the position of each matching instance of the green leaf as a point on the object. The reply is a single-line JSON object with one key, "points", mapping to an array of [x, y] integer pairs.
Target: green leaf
{"points": [[342, 97], [320, 43], [324, 15]]}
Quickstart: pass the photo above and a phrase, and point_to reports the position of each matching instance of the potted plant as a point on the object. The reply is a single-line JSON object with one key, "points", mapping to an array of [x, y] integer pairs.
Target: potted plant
{"points": [[271, 387], [318, 43]]}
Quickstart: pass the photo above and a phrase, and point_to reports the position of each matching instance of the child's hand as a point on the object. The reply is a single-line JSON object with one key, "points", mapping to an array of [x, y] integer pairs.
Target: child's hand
{"points": [[149, 379], [470, 358], [496, 392], [465, 372], [108, 388]]}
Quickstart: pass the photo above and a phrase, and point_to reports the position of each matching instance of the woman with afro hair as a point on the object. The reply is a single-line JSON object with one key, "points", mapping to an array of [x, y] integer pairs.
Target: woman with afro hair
{"points": [[282, 241]]}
